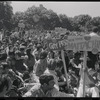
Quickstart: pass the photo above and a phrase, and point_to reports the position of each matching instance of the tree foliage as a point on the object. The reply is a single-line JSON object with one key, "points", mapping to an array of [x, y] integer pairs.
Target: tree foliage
{"points": [[41, 18], [6, 12]]}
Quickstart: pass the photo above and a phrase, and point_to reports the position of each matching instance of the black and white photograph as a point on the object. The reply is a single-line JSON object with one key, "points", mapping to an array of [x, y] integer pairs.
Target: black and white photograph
{"points": [[49, 49]]}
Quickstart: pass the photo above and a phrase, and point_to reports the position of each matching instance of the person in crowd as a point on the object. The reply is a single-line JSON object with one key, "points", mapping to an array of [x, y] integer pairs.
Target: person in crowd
{"points": [[90, 83], [61, 78], [16, 80], [11, 59], [41, 65], [3, 57], [31, 60], [22, 50], [37, 51], [4, 86], [76, 63], [51, 65], [46, 88], [95, 73], [51, 55], [20, 66]]}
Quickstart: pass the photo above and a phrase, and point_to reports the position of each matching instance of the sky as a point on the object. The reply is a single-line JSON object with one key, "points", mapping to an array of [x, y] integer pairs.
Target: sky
{"points": [[71, 9]]}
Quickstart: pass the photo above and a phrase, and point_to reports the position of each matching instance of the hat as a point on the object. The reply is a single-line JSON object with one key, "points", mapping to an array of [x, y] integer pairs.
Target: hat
{"points": [[43, 55]]}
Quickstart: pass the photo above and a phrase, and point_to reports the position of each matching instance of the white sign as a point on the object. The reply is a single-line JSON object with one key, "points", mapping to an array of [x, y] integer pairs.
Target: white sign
{"points": [[83, 43], [76, 43]]}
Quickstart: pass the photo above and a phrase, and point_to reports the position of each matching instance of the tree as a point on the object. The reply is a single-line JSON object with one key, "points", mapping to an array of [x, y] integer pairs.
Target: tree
{"points": [[41, 18], [65, 22], [80, 22], [96, 23], [6, 12], [17, 17]]}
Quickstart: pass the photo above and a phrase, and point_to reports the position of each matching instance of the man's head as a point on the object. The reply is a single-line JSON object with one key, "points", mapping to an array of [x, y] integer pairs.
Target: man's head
{"points": [[22, 48], [47, 81], [39, 47], [51, 64], [43, 55]]}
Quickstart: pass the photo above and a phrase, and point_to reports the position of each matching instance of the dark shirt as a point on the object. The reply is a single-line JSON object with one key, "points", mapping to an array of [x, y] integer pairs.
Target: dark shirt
{"points": [[19, 66], [30, 62]]}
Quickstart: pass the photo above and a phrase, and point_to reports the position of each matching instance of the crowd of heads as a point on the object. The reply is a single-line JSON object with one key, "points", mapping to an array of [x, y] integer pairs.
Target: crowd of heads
{"points": [[17, 51]]}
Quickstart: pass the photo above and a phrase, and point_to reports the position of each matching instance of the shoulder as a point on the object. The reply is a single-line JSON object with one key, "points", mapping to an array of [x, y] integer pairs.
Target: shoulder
{"points": [[61, 94], [33, 91]]}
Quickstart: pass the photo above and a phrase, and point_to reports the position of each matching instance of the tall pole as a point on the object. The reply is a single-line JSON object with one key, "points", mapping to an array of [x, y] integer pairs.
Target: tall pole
{"points": [[66, 74], [84, 66]]}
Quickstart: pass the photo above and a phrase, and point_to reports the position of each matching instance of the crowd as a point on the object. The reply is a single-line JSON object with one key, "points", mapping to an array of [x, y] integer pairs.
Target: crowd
{"points": [[29, 69]]}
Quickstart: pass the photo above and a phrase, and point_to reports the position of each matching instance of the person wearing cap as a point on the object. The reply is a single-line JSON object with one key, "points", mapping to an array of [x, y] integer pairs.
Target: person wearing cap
{"points": [[46, 88]]}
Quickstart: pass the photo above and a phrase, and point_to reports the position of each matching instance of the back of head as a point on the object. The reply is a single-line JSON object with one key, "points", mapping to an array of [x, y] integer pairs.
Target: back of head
{"points": [[59, 63], [45, 78], [51, 64]]}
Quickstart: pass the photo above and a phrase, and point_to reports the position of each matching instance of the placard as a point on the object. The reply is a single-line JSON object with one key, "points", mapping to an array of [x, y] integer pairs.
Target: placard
{"points": [[76, 43]]}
